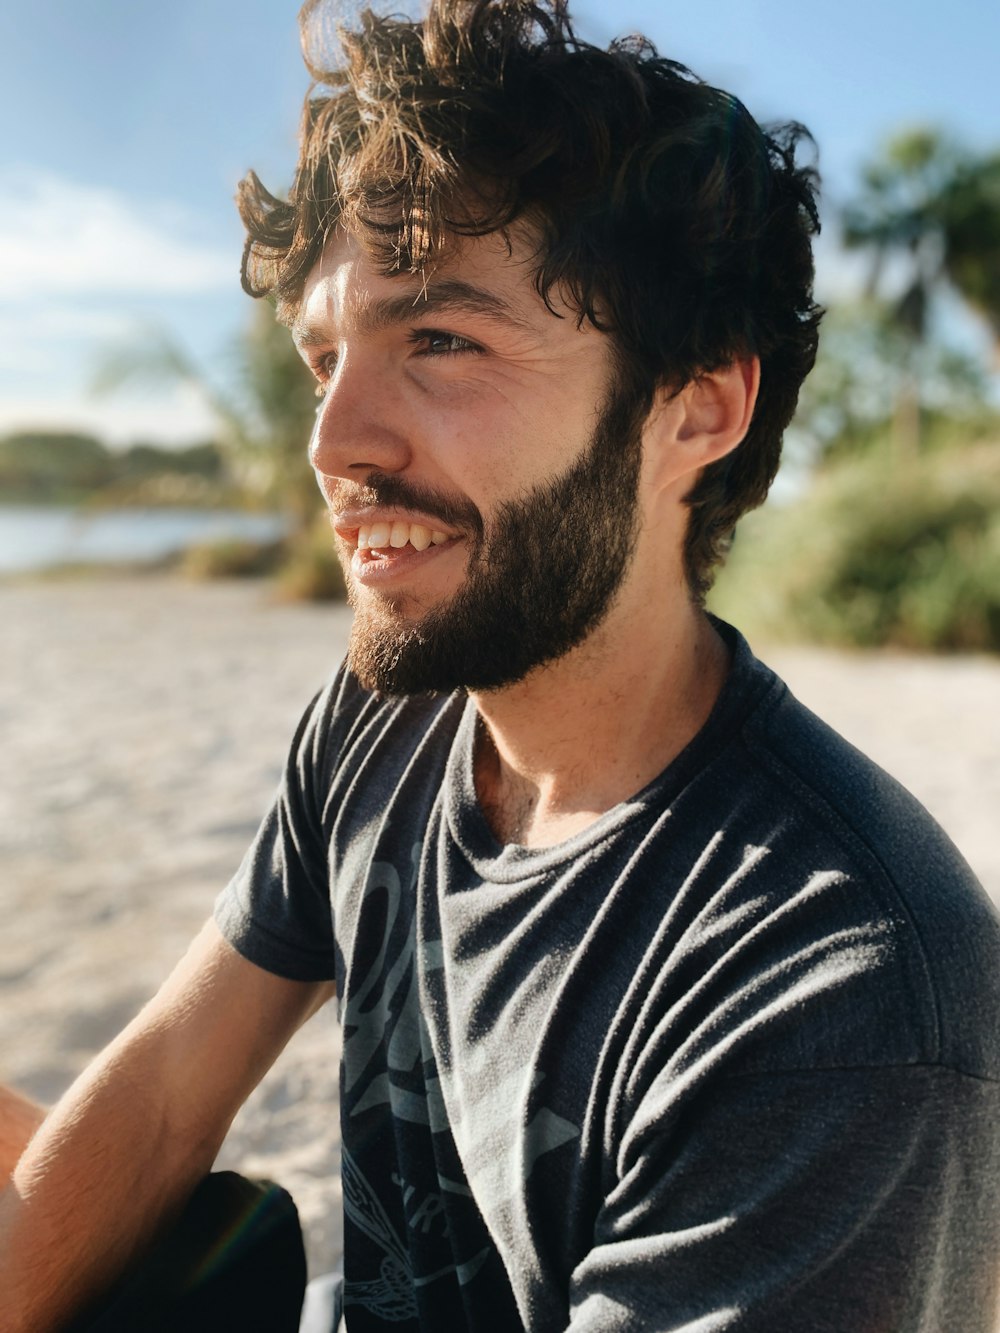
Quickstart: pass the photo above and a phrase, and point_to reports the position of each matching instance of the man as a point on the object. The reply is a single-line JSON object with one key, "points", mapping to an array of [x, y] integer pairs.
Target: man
{"points": [[662, 1007]]}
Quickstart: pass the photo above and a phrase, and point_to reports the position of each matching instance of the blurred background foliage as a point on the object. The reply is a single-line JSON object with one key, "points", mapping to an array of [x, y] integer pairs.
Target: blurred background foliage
{"points": [[893, 536], [67, 467], [890, 534], [265, 413]]}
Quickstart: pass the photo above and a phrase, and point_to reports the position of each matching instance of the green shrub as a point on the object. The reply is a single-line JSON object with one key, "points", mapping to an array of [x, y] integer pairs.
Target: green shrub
{"points": [[304, 566], [880, 551], [310, 570], [231, 557]]}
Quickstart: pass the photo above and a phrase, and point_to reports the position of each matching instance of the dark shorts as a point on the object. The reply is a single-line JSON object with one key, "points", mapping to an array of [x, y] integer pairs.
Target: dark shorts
{"points": [[234, 1261]]}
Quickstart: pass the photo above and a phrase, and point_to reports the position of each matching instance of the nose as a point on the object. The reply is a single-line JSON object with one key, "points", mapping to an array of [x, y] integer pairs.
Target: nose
{"points": [[358, 426]]}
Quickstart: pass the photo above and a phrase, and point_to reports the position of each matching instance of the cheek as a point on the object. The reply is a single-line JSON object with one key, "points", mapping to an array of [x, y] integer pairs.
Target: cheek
{"points": [[493, 440], [473, 450]]}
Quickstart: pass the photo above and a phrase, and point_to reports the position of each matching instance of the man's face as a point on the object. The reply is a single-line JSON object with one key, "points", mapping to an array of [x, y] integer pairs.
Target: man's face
{"points": [[481, 477]]}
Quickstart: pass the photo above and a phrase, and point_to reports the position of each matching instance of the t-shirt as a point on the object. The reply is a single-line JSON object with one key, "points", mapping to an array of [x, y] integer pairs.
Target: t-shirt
{"points": [[727, 1059]]}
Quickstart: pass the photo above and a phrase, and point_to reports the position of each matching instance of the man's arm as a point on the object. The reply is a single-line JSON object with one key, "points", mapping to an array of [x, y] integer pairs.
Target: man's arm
{"points": [[121, 1152], [19, 1118]]}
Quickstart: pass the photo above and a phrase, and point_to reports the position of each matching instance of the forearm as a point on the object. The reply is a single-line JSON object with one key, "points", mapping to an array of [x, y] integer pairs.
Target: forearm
{"points": [[104, 1173], [117, 1158], [19, 1119]]}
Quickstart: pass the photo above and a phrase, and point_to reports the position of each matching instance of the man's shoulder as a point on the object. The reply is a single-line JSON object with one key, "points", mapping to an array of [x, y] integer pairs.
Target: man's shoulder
{"points": [[797, 766], [811, 761], [806, 763], [360, 751], [838, 807], [346, 714]]}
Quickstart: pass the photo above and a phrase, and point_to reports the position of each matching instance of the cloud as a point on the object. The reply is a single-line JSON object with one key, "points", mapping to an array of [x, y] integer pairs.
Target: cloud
{"points": [[83, 268], [175, 416], [64, 239], [33, 337]]}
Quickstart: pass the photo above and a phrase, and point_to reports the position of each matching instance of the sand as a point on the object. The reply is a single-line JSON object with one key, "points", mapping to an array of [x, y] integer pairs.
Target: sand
{"points": [[145, 722]]}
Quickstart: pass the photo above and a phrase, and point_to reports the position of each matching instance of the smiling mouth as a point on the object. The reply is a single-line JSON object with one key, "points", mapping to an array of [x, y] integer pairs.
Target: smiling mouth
{"points": [[382, 536]]}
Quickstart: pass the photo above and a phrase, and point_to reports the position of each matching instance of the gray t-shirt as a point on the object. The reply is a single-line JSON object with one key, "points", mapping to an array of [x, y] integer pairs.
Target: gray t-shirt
{"points": [[728, 1059]]}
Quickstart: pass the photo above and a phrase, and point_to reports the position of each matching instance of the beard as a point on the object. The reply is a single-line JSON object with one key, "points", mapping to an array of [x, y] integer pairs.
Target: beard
{"points": [[541, 576]]}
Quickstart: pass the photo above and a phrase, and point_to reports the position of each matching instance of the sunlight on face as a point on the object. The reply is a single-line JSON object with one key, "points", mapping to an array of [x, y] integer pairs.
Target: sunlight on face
{"points": [[481, 481]]}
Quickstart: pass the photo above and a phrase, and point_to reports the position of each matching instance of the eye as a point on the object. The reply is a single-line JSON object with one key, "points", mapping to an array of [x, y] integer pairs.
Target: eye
{"points": [[436, 342], [323, 367]]}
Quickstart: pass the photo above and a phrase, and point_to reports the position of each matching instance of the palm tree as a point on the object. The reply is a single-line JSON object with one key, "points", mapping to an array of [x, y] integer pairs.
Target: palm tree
{"points": [[264, 417], [934, 210], [970, 216], [863, 369]]}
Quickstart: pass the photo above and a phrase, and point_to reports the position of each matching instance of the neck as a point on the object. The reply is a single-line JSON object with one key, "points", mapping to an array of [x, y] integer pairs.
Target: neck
{"points": [[577, 737]]}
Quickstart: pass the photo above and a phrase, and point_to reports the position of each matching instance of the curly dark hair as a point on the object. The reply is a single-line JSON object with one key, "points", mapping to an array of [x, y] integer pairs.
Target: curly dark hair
{"points": [[665, 214]]}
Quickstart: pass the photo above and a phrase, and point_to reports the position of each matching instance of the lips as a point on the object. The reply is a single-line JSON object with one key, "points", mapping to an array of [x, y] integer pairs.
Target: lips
{"points": [[386, 546]]}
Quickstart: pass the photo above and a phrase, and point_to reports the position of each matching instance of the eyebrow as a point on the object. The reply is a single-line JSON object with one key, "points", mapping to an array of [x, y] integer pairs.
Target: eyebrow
{"points": [[447, 294]]}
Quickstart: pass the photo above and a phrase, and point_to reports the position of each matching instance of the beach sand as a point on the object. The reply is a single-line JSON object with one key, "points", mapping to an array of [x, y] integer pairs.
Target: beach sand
{"points": [[145, 722]]}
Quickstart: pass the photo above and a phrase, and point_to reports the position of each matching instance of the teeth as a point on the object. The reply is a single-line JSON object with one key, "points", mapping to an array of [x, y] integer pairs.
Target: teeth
{"points": [[377, 536]]}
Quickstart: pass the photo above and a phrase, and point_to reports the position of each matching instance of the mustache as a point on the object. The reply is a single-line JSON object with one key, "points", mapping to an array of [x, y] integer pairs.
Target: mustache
{"points": [[387, 489]]}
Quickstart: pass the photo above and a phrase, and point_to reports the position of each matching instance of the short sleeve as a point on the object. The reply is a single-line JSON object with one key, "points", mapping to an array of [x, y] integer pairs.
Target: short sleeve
{"points": [[276, 910], [825, 1201]]}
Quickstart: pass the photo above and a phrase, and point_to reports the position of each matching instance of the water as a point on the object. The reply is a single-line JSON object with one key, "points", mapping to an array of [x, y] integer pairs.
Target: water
{"points": [[36, 537]]}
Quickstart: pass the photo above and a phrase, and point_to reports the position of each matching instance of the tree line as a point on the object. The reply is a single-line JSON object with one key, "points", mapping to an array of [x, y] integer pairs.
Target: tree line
{"points": [[47, 466]]}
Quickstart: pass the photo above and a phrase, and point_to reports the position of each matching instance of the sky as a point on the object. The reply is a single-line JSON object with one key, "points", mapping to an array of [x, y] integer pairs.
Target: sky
{"points": [[127, 126]]}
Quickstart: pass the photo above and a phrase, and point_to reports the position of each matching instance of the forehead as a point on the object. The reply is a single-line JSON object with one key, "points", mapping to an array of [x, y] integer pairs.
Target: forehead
{"points": [[491, 277]]}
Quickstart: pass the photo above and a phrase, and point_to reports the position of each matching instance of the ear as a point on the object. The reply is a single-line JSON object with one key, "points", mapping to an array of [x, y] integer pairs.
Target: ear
{"points": [[703, 421]]}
